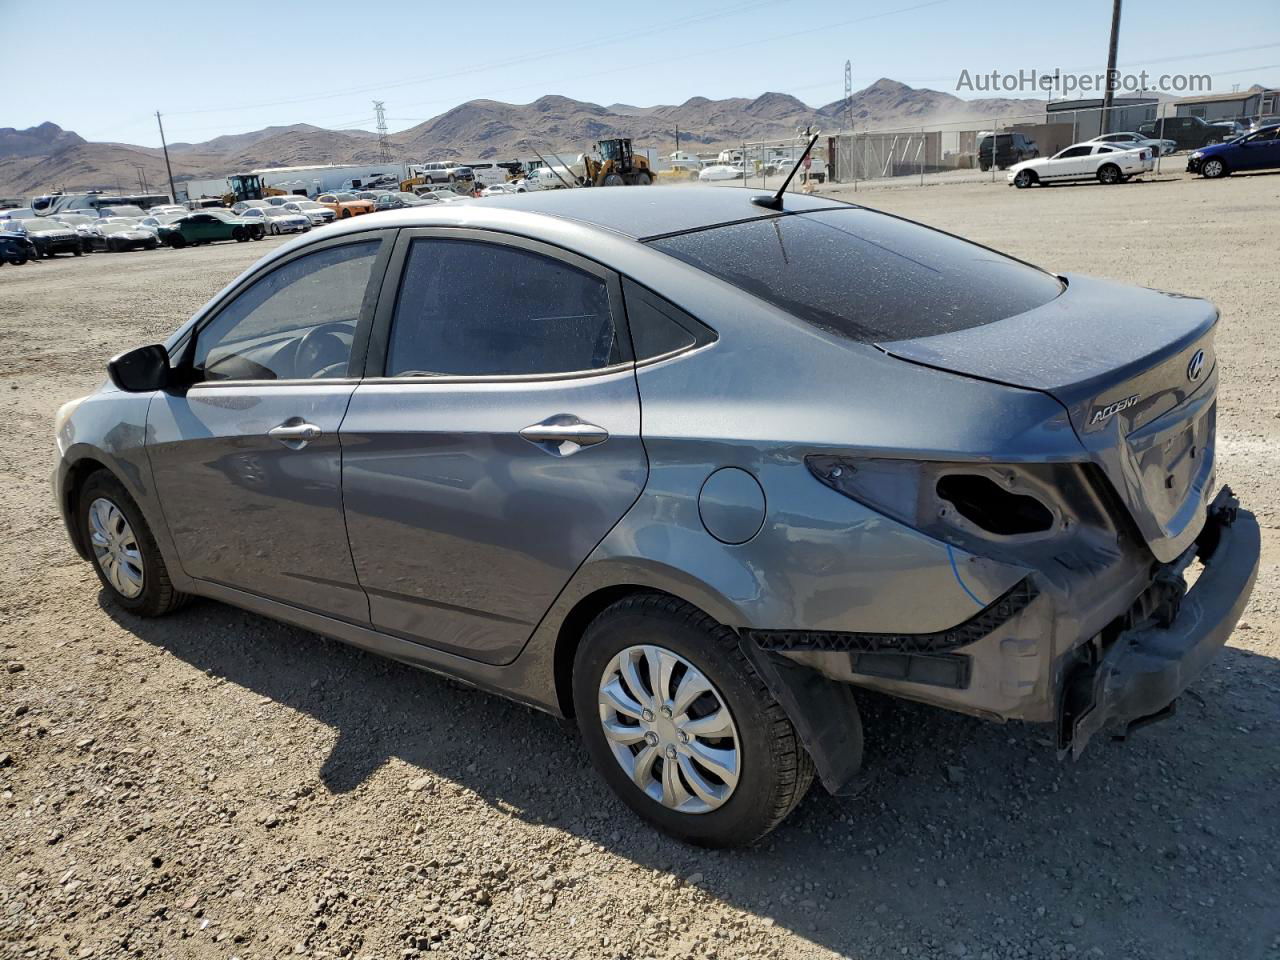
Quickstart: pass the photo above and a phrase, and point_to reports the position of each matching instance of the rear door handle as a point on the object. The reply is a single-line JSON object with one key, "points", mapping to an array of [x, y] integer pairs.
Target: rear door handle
{"points": [[295, 435], [564, 434]]}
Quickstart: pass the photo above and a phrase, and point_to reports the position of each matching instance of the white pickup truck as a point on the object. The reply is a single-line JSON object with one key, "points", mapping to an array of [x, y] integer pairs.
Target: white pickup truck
{"points": [[1104, 162]]}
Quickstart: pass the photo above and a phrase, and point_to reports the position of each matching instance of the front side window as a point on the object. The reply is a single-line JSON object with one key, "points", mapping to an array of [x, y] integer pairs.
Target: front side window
{"points": [[474, 308], [296, 323]]}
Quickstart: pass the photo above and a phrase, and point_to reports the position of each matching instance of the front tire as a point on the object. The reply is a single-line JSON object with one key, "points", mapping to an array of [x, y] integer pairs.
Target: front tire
{"points": [[681, 727], [239, 235], [1023, 179], [1213, 168], [125, 556]]}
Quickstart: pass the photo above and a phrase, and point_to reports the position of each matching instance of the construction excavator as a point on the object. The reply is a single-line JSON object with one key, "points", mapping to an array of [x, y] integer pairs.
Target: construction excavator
{"points": [[614, 164]]}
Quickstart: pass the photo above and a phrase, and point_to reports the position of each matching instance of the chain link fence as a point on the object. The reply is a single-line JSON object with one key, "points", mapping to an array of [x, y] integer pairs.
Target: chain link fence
{"points": [[974, 150]]}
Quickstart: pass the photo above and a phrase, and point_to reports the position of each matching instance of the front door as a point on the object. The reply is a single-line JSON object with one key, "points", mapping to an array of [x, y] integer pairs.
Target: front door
{"points": [[494, 441], [247, 459], [1070, 163]]}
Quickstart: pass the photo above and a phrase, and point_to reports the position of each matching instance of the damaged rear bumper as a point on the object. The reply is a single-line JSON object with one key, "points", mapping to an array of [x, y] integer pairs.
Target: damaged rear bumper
{"points": [[1004, 664], [1142, 673]]}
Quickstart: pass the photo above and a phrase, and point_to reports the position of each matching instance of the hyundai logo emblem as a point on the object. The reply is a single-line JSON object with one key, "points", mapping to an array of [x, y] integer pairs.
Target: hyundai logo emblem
{"points": [[1196, 366]]}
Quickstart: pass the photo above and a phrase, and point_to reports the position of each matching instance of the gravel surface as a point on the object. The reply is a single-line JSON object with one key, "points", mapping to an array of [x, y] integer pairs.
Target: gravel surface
{"points": [[218, 785]]}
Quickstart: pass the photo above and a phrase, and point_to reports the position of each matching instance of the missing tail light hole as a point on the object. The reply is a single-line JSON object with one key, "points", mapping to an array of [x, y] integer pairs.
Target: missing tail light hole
{"points": [[990, 507]]}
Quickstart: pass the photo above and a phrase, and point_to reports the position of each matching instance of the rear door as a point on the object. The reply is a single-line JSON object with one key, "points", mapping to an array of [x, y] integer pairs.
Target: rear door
{"points": [[494, 441]]}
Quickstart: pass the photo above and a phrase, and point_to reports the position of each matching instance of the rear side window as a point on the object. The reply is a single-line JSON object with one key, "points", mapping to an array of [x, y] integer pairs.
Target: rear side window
{"points": [[864, 275], [658, 327], [473, 308]]}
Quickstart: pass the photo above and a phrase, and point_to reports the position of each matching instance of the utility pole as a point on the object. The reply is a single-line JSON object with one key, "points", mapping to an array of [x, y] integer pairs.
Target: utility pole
{"points": [[848, 94], [1111, 67], [384, 145], [173, 193], [677, 139]]}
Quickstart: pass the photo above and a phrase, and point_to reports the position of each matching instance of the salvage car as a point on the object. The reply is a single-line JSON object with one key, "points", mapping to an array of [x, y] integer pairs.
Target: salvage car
{"points": [[1103, 162], [49, 236], [401, 199], [721, 171], [317, 213], [872, 455], [1132, 141], [119, 235], [277, 220], [1254, 151], [16, 248], [345, 205], [207, 226]]}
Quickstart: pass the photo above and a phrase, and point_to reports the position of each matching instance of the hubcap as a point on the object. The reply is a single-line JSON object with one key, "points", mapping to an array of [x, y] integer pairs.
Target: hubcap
{"points": [[115, 547], [669, 729]]}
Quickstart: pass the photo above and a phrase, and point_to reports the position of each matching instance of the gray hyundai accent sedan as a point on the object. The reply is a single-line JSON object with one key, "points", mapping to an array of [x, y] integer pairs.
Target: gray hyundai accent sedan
{"points": [[690, 470]]}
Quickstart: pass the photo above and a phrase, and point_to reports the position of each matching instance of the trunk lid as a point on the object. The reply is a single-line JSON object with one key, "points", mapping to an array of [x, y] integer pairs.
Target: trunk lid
{"points": [[1134, 368]]}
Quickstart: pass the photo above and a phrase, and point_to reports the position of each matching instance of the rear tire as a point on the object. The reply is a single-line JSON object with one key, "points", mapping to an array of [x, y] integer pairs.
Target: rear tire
{"points": [[119, 538], [1109, 174], [239, 234], [643, 179], [772, 769]]}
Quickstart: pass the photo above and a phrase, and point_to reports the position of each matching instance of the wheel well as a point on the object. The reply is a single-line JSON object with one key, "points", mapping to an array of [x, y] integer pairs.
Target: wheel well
{"points": [[80, 471], [575, 625]]}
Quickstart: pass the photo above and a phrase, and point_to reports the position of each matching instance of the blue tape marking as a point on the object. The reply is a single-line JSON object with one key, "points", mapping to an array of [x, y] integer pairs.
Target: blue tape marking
{"points": [[954, 569]]}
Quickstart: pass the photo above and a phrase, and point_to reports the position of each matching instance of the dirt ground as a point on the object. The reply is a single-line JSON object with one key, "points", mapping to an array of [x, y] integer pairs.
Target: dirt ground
{"points": [[217, 785]]}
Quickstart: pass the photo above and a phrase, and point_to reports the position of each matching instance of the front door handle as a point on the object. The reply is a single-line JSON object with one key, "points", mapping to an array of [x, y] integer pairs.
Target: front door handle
{"points": [[295, 434], [564, 434]]}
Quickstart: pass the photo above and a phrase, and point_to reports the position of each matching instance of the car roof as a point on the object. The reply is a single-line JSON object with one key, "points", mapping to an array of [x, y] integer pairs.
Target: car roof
{"points": [[643, 212]]}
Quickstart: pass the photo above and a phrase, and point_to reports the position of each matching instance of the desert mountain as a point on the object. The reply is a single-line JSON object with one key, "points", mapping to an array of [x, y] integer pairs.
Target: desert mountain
{"points": [[35, 141], [47, 157]]}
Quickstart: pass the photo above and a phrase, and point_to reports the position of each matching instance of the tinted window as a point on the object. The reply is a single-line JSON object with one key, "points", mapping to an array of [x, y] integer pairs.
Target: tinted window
{"points": [[1075, 152], [297, 322], [470, 308], [865, 275], [658, 327]]}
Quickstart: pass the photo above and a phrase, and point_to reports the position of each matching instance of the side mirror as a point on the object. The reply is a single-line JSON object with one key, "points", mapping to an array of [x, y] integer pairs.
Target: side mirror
{"points": [[141, 369]]}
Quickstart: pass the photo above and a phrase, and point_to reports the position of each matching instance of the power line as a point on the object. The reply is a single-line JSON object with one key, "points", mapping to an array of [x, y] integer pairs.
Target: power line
{"points": [[485, 67]]}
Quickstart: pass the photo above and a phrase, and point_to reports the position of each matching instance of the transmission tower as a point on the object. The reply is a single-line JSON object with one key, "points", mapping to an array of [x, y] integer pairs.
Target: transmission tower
{"points": [[848, 93], [384, 145]]}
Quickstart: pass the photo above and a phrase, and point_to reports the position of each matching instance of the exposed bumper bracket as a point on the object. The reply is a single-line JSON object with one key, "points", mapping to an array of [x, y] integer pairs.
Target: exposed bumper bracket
{"points": [[1142, 674]]}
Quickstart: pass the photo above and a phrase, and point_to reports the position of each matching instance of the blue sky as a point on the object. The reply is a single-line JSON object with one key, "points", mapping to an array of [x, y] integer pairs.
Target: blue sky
{"points": [[228, 67]]}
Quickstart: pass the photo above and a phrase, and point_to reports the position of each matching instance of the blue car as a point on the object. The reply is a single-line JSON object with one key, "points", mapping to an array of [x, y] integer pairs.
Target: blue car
{"points": [[1255, 151]]}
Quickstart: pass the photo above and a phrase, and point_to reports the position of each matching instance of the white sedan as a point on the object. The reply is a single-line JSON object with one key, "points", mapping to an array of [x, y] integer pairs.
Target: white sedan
{"points": [[1134, 141], [277, 220], [720, 171], [1103, 162]]}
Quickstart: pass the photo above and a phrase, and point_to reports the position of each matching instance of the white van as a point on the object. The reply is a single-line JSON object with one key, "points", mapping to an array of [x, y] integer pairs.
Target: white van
{"points": [[487, 173]]}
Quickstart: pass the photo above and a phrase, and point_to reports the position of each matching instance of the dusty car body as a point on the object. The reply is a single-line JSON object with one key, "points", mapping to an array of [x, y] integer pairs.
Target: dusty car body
{"points": [[776, 455]]}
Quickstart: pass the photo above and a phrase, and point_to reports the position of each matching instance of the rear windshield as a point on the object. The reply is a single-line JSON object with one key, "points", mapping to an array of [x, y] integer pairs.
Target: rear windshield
{"points": [[864, 275]]}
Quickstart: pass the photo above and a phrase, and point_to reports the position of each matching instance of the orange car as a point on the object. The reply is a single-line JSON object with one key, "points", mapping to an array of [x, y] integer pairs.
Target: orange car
{"points": [[345, 204]]}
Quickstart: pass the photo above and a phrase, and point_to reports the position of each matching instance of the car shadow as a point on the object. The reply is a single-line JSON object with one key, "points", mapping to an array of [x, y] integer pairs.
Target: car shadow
{"points": [[1166, 839]]}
